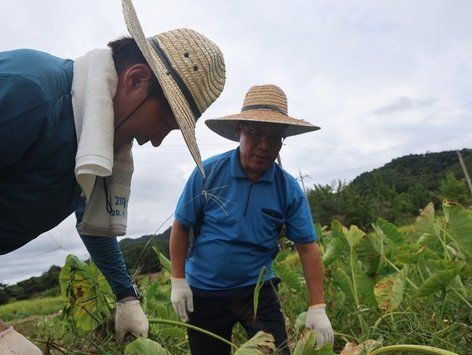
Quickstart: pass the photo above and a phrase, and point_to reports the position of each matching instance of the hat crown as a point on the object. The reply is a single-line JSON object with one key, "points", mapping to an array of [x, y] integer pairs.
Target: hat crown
{"points": [[266, 95], [198, 61]]}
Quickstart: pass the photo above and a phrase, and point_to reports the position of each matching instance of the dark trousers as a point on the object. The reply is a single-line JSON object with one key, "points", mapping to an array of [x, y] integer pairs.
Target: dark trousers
{"points": [[218, 312]]}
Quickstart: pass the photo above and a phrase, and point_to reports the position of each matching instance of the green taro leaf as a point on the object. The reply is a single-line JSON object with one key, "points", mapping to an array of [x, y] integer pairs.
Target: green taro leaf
{"points": [[364, 287], [439, 280], [334, 251], [142, 346], [424, 222], [300, 321], [288, 276], [343, 281], [389, 230], [307, 346], [261, 343], [368, 255], [166, 264], [389, 290], [354, 236], [459, 227], [89, 299]]}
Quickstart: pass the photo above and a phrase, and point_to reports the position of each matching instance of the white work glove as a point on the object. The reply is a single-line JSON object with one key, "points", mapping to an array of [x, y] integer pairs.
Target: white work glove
{"points": [[130, 318], [12, 342], [181, 297], [317, 320]]}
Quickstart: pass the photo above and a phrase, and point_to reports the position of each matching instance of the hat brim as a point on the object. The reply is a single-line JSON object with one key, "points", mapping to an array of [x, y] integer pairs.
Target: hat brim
{"points": [[227, 126], [178, 103]]}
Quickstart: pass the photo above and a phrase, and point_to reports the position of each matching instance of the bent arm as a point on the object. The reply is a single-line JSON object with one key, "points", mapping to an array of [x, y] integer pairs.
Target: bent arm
{"points": [[179, 242], [106, 254], [313, 270]]}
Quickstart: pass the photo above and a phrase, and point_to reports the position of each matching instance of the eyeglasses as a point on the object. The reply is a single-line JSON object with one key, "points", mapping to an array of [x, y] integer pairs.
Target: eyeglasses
{"points": [[273, 140]]}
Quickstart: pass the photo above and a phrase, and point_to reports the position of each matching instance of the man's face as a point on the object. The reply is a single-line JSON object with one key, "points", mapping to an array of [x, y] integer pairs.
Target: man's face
{"points": [[152, 121], [259, 145]]}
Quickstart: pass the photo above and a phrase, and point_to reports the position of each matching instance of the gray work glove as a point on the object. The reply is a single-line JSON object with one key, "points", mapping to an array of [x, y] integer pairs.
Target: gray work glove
{"points": [[130, 318], [181, 297], [317, 320], [12, 342]]}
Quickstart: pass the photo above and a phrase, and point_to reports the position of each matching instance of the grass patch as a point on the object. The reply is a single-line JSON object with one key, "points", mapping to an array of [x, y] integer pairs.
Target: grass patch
{"points": [[26, 308]]}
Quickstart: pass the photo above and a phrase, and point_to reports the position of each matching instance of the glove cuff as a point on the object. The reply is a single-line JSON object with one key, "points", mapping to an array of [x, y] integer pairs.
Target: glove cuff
{"points": [[130, 291], [177, 281], [318, 305]]}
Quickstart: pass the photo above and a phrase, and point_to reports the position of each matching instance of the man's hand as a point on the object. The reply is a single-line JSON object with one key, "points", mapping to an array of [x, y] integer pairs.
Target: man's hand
{"points": [[181, 297], [130, 318], [12, 342], [317, 320]]}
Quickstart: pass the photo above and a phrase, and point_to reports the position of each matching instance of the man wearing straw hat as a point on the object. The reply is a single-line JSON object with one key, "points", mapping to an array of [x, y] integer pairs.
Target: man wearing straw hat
{"points": [[236, 213], [66, 129]]}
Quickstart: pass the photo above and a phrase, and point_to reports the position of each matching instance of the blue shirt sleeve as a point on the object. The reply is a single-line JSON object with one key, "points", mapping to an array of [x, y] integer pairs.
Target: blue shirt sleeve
{"points": [[23, 114], [106, 254], [299, 224], [191, 201]]}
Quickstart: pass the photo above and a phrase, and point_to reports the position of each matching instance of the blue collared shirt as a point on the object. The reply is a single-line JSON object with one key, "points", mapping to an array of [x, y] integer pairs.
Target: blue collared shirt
{"points": [[237, 222]]}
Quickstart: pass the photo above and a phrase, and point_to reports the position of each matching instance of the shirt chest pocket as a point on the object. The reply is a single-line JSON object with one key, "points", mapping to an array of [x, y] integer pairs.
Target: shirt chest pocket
{"points": [[272, 220]]}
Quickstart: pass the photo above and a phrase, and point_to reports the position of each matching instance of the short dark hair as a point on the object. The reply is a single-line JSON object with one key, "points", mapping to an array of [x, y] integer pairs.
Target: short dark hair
{"points": [[126, 53]]}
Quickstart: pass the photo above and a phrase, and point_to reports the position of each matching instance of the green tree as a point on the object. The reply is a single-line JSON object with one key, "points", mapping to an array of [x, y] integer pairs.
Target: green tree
{"points": [[453, 189]]}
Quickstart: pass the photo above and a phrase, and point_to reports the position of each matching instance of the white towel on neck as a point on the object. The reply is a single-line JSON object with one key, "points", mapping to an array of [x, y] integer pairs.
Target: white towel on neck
{"points": [[93, 88]]}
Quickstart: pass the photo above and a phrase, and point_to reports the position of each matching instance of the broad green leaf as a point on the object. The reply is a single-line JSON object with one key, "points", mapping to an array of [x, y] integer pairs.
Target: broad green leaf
{"points": [[292, 259], [261, 343], [424, 222], [354, 236], [307, 346], [389, 290], [320, 231], [288, 276], [439, 280], [377, 241], [364, 286], [368, 255], [343, 281], [334, 251], [337, 230], [300, 321], [142, 346], [459, 228], [389, 230], [166, 264], [89, 299]]}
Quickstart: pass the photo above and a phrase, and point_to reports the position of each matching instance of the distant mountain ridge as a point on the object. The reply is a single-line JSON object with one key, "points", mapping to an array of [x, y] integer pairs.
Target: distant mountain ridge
{"points": [[395, 191]]}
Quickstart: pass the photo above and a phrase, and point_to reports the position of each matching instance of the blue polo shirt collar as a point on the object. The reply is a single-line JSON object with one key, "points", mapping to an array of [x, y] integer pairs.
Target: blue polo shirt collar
{"points": [[238, 172]]}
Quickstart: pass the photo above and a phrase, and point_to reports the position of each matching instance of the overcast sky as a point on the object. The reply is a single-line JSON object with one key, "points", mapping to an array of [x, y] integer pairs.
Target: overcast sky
{"points": [[381, 78]]}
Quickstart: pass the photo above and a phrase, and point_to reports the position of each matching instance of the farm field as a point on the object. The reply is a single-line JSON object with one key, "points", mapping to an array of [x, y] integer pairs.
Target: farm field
{"points": [[386, 288]]}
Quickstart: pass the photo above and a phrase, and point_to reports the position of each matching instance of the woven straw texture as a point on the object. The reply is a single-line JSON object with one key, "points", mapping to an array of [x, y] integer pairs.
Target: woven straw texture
{"points": [[197, 60], [266, 95]]}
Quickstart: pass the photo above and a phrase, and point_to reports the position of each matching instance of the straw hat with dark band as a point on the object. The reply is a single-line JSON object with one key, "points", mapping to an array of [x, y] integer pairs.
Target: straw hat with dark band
{"points": [[190, 69], [263, 103]]}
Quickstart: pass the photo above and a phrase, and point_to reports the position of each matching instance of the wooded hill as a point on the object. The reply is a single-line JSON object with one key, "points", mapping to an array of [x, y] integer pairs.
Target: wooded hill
{"points": [[395, 192]]}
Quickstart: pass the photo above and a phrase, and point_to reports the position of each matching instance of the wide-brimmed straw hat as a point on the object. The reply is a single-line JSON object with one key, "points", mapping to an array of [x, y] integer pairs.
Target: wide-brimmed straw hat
{"points": [[263, 103], [190, 69]]}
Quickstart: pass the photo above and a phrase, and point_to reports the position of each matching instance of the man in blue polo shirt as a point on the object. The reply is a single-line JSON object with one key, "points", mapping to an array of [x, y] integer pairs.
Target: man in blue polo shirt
{"points": [[236, 213]]}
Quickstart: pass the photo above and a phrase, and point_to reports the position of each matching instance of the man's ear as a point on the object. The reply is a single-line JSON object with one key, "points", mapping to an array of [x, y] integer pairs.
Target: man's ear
{"points": [[137, 77]]}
